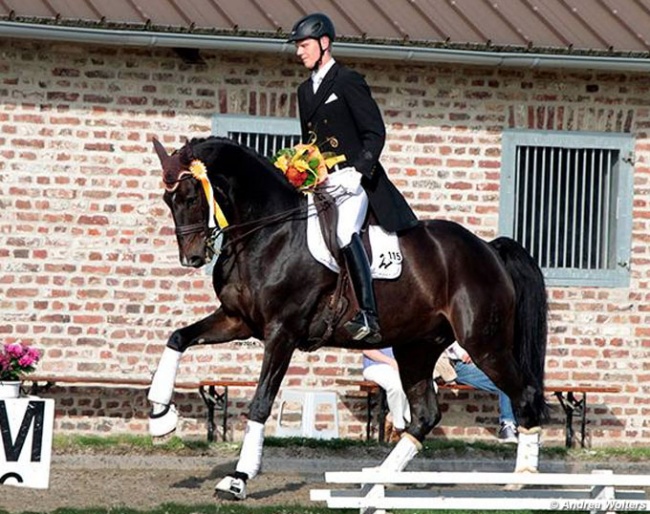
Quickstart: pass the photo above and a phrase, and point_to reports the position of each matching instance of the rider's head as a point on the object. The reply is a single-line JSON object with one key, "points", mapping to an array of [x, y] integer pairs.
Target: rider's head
{"points": [[313, 36]]}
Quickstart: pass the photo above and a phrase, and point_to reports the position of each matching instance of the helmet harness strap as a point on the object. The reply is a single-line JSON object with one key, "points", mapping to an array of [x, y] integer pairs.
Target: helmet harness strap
{"points": [[322, 53]]}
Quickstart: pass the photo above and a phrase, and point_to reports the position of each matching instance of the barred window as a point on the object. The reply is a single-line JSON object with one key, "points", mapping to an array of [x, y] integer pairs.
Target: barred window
{"points": [[567, 198], [267, 135]]}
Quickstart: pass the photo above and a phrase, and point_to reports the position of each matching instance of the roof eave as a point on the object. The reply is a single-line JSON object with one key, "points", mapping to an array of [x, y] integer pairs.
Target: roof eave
{"points": [[346, 48]]}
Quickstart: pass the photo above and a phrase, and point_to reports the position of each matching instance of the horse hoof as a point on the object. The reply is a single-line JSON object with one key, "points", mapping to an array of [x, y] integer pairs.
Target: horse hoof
{"points": [[231, 488], [163, 423]]}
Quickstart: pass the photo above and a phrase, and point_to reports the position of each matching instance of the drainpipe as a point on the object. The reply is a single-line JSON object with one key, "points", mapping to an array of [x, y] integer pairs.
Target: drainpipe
{"points": [[344, 49]]}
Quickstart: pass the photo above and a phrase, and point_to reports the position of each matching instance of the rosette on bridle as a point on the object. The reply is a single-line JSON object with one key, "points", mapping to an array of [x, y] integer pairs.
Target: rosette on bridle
{"points": [[200, 173]]}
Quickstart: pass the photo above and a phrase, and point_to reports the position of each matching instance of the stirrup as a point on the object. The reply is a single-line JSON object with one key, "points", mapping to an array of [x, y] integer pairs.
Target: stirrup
{"points": [[359, 329], [164, 422]]}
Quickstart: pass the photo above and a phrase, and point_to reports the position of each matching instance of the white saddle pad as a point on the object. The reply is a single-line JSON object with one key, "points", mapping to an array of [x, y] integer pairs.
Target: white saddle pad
{"points": [[386, 255]]}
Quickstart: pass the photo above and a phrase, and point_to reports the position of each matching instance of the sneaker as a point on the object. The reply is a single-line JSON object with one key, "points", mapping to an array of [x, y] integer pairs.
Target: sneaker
{"points": [[507, 433]]}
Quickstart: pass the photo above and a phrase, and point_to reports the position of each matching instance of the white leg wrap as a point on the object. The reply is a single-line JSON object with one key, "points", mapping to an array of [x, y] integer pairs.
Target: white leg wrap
{"points": [[528, 450], [250, 457], [402, 454], [162, 385]]}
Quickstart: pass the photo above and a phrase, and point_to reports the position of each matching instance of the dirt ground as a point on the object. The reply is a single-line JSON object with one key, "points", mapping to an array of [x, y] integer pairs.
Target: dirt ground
{"points": [[108, 480], [141, 481]]}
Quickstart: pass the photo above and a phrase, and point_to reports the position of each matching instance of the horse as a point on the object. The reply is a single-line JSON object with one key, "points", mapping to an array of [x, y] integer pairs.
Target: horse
{"points": [[454, 286]]}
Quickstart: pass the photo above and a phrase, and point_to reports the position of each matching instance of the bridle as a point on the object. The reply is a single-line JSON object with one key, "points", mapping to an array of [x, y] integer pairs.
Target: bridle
{"points": [[249, 227], [194, 228]]}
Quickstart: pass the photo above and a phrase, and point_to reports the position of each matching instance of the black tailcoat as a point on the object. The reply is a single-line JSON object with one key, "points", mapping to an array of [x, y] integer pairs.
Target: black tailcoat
{"points": [[347, 121]]}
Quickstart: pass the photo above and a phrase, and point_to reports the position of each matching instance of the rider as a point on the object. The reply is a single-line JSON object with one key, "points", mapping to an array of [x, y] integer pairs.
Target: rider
{"points": [[336, 105]]}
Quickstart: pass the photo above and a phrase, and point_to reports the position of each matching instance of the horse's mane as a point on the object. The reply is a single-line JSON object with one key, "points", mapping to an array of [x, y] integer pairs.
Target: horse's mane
{"points": [[234, 157]]}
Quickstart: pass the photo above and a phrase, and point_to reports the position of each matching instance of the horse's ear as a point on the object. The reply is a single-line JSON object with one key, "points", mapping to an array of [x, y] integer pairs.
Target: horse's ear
{"points": [[160, 150]]}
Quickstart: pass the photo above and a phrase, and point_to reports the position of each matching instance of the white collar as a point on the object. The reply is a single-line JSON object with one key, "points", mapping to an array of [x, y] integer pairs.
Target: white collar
{"points": [[318, 76]]}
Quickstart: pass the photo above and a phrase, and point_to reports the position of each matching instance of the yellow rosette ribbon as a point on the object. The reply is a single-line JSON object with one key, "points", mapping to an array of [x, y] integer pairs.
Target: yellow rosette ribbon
{"points": [[200, 173]]}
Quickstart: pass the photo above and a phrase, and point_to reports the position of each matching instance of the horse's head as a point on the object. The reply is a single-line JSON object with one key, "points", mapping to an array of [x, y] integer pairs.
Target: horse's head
{"points": [[211, 174], [185, 197]]}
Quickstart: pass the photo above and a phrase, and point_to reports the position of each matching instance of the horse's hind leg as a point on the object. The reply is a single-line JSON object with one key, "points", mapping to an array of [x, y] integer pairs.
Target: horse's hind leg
{"points": [[216, 328], [416, 361], [497, 361]]}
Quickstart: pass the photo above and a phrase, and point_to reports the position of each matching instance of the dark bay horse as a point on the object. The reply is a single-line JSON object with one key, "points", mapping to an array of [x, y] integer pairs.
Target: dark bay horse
{"points": [[491, 298]]}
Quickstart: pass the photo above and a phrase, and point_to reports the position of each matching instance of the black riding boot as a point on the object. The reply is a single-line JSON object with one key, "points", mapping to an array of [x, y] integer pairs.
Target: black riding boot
{"points": [[365, 324]]}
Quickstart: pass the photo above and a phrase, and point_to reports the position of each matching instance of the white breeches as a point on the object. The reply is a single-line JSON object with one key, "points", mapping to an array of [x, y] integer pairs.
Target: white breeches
{"points": [[351, 200], [388, 379]]}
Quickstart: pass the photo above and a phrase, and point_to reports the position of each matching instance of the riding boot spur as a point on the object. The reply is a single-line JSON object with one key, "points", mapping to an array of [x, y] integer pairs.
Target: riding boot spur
{"points": [[365, 324]]}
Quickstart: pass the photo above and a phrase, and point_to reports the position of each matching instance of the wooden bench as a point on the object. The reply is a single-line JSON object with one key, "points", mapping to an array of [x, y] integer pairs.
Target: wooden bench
{"points": [[566, 395], [213, 392], [218, 401]]}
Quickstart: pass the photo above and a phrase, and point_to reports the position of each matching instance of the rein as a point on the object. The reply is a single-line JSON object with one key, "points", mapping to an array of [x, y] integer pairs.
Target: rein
{"points": [[199, 173], [258, 224]]}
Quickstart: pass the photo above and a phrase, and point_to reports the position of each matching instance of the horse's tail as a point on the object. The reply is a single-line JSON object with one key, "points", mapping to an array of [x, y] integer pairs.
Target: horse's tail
{"points": [[531, 316]]}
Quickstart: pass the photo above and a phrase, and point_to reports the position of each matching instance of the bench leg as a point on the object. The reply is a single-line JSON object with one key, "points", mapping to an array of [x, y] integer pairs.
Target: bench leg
{"points": [[568, 407], [383, 409], [369, 405], [378, 399], [209, 407], [215, 401], [583, 421], [572, 405], [224, 412]]}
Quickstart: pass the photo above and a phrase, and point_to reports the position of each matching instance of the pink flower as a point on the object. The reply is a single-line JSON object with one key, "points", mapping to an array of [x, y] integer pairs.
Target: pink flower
{"points": [[16, 360], [14, 350]]}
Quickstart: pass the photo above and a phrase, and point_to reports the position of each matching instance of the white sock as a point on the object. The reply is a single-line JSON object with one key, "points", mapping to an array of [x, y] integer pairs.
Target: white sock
{"points": [[528, 450], [250, 457], [402, 454], [162, 385]]}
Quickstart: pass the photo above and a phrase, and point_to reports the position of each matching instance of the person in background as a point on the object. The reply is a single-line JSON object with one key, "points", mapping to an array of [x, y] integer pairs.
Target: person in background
{"points": [[469, 374], [380, 367]]}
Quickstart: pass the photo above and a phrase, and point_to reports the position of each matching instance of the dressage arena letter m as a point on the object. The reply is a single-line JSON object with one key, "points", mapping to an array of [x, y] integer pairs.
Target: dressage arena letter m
{"points": [[26, 431]]}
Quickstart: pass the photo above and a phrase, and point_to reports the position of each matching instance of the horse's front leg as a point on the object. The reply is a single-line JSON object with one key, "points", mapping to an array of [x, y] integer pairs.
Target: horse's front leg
{"points": [[218, 327], [277, 356]]}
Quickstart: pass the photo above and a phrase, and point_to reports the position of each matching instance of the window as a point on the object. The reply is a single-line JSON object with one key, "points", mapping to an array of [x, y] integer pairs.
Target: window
{"points": [[267, 135], [567, 198]]}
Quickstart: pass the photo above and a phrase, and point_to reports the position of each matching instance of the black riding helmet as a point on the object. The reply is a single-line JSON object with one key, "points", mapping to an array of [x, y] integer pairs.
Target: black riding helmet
{"points": [[313, 26]]}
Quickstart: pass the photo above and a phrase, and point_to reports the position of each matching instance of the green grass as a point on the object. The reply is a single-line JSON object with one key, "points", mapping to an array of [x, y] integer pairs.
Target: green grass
{"points": [[431, 447]]}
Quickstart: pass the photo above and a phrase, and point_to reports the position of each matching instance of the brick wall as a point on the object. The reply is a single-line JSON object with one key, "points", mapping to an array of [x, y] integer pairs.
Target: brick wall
{"points": [[89, 269]]}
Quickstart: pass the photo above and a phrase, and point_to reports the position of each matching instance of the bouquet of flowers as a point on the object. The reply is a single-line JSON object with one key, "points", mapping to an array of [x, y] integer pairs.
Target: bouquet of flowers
{"points": [[304, 165], [17, 360]]}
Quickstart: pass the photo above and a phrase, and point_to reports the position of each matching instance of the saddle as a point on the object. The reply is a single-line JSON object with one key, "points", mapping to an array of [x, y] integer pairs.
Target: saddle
{"points": [[342, 303]]}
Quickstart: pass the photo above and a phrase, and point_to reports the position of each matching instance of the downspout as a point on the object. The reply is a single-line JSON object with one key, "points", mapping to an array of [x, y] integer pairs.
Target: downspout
{"points": [[344, 49]]}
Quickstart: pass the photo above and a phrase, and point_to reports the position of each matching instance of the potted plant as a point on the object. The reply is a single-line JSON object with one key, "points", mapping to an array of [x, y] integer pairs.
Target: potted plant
{"points": [[16, 360]]}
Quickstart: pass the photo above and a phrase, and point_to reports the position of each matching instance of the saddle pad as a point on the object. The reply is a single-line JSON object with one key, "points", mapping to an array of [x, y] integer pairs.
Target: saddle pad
{"points": [[387, 257]]}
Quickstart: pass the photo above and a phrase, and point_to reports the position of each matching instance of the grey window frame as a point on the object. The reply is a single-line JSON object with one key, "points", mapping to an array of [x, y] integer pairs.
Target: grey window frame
{"points": [[621, 199]]}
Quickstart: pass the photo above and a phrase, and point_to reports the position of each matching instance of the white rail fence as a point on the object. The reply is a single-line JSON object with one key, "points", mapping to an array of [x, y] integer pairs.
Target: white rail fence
{"points": [[596, 492]]}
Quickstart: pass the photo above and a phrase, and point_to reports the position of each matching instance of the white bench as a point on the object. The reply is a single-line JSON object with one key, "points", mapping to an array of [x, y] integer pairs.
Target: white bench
{"points": [[597, 492]]}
